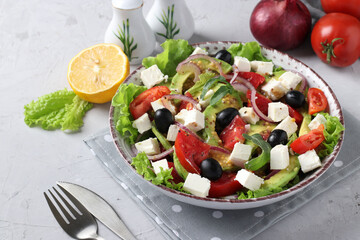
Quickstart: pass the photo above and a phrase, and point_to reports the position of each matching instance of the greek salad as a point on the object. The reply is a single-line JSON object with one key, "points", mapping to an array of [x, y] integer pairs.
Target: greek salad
{"points": [[229, 124]]}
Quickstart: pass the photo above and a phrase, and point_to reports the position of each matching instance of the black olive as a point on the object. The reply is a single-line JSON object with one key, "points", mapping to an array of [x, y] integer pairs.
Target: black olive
{"points": [[295, 99], [163, 119], [224, 118], [277, 136], [211, 169], [224, 55]]}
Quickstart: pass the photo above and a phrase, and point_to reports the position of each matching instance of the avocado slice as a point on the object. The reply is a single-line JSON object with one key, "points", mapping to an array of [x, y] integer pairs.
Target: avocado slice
{"points": [[304, 128], [262, 128], [283, 177], [209, 133], [196, 90], [179, 168], [204, 64], [176, 86]]}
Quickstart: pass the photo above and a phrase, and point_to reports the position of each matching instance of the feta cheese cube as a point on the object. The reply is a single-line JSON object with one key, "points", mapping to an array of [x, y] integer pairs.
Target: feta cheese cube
{"points": [[163, 163], [240, 154], [274, 89], [288, 125], [249, 179], [317, 121], [142, 123], [279, 157], [199, 50], [152, 76], [243, 64], [192, 119], [206, 101], [277, 111], [197, 185], [262, 67], [290, 80], [157, 105], [309, 161], [149, 146], [249, 115], [172, 133]]}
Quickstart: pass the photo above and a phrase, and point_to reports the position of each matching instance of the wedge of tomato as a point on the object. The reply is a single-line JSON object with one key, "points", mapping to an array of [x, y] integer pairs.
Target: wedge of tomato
{"points": [[224, 186], [261, 101], [254, 78], [317, 100], [186, 105], [295, 114], [190, 151], [174, 174], [142, 103], [233, 133], [308, 141]]}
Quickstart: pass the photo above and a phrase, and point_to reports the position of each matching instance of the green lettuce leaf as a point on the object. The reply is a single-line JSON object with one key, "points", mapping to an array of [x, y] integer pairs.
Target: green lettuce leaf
{"points": [[174, 52], [122, 117], [60, 109], [332, 134], [249, 50], [143, 166]]}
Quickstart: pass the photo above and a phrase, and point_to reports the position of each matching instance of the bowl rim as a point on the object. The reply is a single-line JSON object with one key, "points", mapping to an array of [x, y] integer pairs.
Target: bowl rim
{"points": [[301, 185]]}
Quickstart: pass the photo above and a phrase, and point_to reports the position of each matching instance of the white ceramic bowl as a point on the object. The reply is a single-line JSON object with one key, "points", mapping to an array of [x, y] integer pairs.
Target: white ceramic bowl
{"points": [[279, 59]]}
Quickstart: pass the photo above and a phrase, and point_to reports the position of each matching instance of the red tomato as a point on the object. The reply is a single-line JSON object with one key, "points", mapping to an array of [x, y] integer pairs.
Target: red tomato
{"points": [[254, 78], [224, 186], [190, 151], [186, 105], [308, 141], [174, 174], [261, 101], [142, 103], [317, 100], [335, 39], [351, 7], [295, 114], [233, 133]]}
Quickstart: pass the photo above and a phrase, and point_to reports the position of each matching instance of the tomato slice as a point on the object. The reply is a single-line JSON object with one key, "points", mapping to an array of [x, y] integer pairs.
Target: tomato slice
{"points": [[261, 101], [190, 151], [317, 100], [224, 186], [142, 103], [254, 78], [233, 133], [174, 174], [186, 105], [295, 114], [308, 141]]}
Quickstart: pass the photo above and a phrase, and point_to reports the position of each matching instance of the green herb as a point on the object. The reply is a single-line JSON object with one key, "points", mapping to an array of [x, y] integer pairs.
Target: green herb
{"points": [[264, 158], [60, 109], [124, 36], [210, 83], [122, 117], [332, 134], [174, 52], [167, 20], [143, 166]]}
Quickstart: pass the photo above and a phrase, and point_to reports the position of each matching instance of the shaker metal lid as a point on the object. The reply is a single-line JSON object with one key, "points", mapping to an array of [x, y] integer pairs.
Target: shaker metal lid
{"points": [[127, 4]]}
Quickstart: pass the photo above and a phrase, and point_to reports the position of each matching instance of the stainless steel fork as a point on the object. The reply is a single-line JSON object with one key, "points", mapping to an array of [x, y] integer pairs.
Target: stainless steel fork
{"points": [[83, 226]]}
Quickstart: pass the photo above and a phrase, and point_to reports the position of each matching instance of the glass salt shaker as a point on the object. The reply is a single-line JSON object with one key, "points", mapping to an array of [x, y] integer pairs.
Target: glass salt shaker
{"points": [[170, 19], [129, 30]]}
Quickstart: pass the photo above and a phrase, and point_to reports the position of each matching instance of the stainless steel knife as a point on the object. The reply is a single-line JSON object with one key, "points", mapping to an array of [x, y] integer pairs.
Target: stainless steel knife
{"points": [[98, 207]]}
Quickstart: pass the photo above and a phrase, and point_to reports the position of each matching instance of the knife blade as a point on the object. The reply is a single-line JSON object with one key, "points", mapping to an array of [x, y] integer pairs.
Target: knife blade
{"points": [[98, 207]]}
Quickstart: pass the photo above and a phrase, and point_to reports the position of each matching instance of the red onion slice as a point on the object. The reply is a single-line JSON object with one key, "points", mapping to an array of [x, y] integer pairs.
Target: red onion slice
{"points": [[256, 109], [220, 149], [240, 87], [189, 67], [161, 155], [165, 99], [206, 57], [188, 131]]}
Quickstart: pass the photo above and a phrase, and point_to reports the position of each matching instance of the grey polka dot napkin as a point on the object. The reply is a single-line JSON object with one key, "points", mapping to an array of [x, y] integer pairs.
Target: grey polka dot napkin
{"points": [[177, 220]]}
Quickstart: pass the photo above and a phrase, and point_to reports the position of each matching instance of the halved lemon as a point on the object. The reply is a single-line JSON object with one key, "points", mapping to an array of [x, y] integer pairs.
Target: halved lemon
{"points": [[96, 72]]}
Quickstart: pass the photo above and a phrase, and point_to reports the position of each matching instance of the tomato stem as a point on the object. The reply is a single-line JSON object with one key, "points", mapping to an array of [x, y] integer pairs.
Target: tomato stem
{"points": [[328, 48]]}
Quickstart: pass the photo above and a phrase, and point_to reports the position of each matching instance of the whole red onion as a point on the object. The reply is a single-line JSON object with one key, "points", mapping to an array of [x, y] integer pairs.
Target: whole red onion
{"points": [[280, 24]]}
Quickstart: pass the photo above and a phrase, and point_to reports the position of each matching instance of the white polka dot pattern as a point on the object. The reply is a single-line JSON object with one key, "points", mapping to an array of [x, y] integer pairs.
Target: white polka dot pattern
{"points": [[338, 163], [259, 214], [176, 208], [108, 138], [217, 214]]}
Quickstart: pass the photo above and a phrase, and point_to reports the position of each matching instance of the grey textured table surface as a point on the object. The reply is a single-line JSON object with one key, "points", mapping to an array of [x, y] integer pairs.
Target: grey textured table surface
{"points": [[37, 40]]}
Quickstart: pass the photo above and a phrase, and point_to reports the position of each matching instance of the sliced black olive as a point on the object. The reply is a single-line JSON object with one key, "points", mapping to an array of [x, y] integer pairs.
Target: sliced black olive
{"points": [[277, 136], [295, 99], [224, 118], [163, 119], [224, 55], [211, 169]]}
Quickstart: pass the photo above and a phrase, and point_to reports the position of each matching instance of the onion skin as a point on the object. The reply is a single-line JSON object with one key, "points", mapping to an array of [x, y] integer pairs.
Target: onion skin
{"points": [[280, 24]]}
